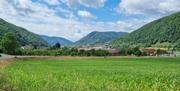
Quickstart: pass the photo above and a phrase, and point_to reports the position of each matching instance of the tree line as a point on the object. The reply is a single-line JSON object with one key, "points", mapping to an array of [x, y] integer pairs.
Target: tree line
{"points": [[65, 51], [9, 45]]}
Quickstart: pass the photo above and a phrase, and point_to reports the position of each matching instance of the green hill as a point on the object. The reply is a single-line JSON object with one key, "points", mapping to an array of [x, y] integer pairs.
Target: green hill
{"points": [[95, 37], [23, 36], [54, 40], [164, 32]]}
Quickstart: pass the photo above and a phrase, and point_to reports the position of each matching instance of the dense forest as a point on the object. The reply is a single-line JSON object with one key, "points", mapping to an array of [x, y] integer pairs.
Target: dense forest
{"points": [[164, 32], [23, 36]]}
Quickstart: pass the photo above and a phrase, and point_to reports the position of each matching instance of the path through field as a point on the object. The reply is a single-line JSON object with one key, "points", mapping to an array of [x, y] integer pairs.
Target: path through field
{"points": [[5, 56]]}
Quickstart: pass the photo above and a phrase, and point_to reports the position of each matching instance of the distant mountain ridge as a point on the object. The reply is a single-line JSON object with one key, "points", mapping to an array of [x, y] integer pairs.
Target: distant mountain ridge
{"points": [[96, 37], [161, 32], [54, 40], [23, 36]]}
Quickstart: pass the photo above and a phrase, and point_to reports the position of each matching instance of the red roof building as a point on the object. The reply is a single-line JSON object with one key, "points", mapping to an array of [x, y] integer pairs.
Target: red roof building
{"points": [[150, 51]]}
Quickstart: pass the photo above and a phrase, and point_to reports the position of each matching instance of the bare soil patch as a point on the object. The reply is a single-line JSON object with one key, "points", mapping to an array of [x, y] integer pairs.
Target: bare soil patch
{"points": [[54, 57], [5, 62]]}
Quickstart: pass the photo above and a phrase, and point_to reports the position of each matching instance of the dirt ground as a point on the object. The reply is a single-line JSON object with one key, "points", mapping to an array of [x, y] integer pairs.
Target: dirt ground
{"points": [[5, 62]]}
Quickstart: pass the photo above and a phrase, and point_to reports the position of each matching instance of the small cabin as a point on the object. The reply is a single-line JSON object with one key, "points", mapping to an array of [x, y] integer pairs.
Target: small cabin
{"points": [[150, 51], [114, 52], [85, 49]]}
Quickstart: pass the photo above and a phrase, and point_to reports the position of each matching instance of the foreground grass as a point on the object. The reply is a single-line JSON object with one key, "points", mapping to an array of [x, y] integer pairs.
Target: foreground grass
{"points": [[95, 74]]}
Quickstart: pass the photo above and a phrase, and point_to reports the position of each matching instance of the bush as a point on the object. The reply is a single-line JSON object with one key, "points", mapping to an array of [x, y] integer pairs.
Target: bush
{"points": [[65, 51], [9, 44], [136, 51]]}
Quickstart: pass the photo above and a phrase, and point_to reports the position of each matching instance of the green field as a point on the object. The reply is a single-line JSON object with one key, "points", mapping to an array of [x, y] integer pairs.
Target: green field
{"points": [[93, 74]]}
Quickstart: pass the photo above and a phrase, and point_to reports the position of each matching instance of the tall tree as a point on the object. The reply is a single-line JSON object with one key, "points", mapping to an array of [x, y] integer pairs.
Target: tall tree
{"points": [[9, 43], [58, 45]]}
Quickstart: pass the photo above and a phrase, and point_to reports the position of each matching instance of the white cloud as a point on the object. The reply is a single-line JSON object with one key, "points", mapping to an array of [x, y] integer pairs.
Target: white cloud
{"points": [[86, 14], [93, 3], [41, 19], [149, 7], [170, 6], [52, 2], [87, 3]]}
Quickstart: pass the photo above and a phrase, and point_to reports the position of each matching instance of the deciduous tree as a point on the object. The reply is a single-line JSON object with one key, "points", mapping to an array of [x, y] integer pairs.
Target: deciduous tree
{"points": [[9, 43]]}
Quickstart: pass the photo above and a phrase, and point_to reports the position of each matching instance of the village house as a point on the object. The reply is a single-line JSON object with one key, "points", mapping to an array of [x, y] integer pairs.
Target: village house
{"points": [[177, 53], [91, 48], [167, 53], [114, 52], [86, 48], [150, 51], [154, 52], [27, 47]]}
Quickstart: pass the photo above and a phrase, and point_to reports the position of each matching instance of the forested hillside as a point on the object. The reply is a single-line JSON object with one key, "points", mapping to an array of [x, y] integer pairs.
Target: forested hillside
{"points": [[95, 37], [164, 32], [23, 36], [54, 40]]}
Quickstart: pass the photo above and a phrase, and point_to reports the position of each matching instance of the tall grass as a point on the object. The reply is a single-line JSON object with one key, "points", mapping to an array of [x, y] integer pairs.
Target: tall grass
{"points": [[100, 74]]}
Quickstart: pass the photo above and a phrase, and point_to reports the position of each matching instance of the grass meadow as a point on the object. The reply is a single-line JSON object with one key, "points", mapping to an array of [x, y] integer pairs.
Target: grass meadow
{"points": [[92, 74]]}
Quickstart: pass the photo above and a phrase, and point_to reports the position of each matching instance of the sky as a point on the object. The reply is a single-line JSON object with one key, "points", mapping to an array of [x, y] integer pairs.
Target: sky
{"points": [[73, 19]]}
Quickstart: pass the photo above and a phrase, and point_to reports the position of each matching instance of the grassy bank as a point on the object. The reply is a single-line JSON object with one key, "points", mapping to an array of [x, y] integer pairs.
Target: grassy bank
{"points": [[94, 74]]}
